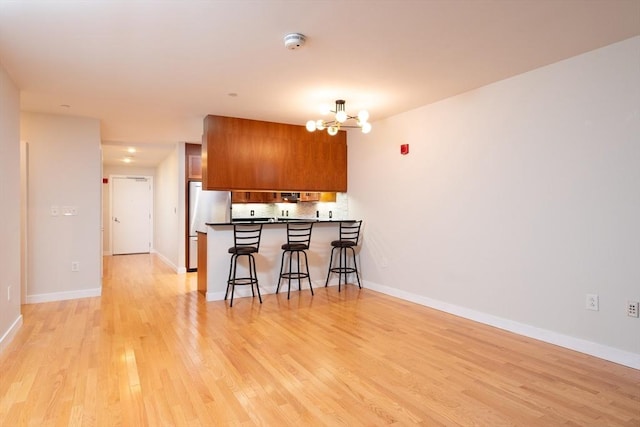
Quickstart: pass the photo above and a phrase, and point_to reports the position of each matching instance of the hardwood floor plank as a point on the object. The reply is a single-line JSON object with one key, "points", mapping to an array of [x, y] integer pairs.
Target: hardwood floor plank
{"points": [[151, 351]]}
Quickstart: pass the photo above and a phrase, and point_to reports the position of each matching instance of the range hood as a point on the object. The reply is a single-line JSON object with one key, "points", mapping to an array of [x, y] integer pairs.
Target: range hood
{"points": [[290, 197]]}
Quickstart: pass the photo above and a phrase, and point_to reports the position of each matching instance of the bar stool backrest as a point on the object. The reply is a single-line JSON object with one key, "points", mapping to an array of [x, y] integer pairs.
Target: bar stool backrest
{"points": [[247, 236], [299, 233], [350, 231]]}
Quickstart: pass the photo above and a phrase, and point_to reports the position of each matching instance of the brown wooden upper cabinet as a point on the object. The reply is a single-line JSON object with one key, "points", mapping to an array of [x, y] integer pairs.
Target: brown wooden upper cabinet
{"points": [[309, 197], [193, 153], [194, 170], [251, 155]]}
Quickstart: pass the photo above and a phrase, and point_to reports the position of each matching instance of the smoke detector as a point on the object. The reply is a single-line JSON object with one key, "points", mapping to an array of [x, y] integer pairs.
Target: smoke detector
{"points": [[294, 41]]}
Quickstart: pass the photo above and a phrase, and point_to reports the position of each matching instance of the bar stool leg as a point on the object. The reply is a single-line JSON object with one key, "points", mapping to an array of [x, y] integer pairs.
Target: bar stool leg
{"points": [[355, 267], [306, 261], [326, 283], [290, 273], [254, 276], [280, 274]]}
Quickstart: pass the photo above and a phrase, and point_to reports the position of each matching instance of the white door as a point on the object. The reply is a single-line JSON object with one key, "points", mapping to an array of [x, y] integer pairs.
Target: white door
{"points": [[131, 215]]}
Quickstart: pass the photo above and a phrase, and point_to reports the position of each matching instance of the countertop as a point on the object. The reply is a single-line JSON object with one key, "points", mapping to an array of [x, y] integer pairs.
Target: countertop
{"points": [[285, 220]]}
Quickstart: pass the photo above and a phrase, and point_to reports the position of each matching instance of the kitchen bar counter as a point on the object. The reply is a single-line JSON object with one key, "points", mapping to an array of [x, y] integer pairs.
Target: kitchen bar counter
{"points": [[259, 220], [274, 234]]}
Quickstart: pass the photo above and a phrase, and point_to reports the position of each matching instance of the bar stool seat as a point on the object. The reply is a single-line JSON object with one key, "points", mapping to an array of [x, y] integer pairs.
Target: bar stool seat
{"points": [[298, 241], [349, 236], [246, 243]]}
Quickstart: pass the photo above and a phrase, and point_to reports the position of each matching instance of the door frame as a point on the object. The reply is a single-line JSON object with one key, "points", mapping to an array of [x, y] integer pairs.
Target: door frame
{"points": [[151, 210]]}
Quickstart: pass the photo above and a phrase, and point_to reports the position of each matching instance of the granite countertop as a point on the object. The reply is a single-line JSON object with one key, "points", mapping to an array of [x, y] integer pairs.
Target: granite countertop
{"points": [[258, 220]]}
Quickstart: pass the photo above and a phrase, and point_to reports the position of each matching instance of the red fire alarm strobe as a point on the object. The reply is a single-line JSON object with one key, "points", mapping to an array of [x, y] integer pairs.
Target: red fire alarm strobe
{"points": [[404, 149]]}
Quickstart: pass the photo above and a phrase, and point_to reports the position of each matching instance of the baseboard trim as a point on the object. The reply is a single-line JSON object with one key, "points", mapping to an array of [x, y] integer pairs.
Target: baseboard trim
{"points": [[8, 336], [601, 351], [178, 270], [62, 296]]}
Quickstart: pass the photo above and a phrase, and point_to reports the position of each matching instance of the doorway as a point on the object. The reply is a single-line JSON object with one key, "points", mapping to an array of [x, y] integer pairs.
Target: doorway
{"points": [[131, 214]]}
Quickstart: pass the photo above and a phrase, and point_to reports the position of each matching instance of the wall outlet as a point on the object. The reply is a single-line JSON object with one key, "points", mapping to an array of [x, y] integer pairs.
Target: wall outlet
{"points": [[592, 302], [633, 308], [75, 265]]}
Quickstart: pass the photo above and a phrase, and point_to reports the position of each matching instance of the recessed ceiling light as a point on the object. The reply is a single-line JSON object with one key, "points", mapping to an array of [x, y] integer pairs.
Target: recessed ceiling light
{"points": [[232, 94], [131, 150], [65, 105], [127, 160]]}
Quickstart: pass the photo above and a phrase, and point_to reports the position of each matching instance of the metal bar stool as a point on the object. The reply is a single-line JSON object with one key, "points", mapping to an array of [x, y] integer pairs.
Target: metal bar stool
{"points": [[349, 235], [246, 243], [298, 240]]}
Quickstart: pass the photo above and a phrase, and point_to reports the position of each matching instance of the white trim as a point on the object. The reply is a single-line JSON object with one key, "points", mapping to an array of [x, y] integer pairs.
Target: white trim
{"points": [[215, 296], [106, 253], [168, 262], [601, 351], [6, 339], [66, 295]]}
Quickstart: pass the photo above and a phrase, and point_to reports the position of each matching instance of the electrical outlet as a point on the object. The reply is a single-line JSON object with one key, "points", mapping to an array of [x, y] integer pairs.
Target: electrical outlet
{"points": [[633, 308], [75, 265], [592, 302]]}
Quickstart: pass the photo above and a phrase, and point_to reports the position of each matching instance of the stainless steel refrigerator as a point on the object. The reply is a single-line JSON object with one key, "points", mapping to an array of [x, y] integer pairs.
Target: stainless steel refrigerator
{"points": [[204, 206]]}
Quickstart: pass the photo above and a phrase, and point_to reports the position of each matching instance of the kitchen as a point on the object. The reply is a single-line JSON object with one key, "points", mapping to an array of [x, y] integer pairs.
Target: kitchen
{"points": [[237, 156]]}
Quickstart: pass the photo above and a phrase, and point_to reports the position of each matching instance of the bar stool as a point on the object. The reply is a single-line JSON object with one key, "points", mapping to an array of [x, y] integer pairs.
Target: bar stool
{"points": [[246, 243], [298, 240], [349, 235]]}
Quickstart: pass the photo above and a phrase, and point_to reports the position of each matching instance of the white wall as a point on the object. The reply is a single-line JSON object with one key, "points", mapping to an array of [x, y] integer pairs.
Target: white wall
{"points": [[64, 170], [10, 225], [169, 211], [516, 200]]}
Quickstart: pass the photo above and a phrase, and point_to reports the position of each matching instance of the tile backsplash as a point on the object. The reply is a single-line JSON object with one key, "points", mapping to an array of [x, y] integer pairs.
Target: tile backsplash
{"points": [[307, 210]]}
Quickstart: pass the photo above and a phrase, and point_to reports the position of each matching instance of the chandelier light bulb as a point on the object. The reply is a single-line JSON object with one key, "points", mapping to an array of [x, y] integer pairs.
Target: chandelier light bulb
{"points": [[332, 130], [366, 127], [320, 125], [341, 116], [363, 116], [311, 126]]}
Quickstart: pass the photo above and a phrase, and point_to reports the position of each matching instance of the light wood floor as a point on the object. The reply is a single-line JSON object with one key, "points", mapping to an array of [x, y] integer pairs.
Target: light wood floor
{"points": [[152, 352]]}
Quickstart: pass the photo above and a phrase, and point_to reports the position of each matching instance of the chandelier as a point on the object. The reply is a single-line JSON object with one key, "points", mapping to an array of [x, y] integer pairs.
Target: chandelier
{"points": [[340, 119]]}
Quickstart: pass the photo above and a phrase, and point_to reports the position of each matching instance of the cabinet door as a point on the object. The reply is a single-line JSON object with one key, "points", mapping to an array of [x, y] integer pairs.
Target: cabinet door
{"points": [[328, 197], [274, 197], [309, 197], [240, 197], [263, 156], [194, 169]]}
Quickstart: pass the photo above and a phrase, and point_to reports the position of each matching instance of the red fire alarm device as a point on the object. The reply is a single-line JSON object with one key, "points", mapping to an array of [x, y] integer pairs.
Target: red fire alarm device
{"points": [[404, 149]]}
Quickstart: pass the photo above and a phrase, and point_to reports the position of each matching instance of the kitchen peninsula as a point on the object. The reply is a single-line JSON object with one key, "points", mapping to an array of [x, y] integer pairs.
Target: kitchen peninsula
{"points": [[274, 233], [257, 161]]}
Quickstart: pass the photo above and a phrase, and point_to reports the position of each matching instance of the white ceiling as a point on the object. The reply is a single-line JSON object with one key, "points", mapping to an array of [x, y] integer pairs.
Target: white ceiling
{"points": [[152, 70]]}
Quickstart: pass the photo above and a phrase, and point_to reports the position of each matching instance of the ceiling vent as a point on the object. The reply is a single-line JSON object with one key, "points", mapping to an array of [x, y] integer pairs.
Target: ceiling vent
{"points": [[294, 41]]}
